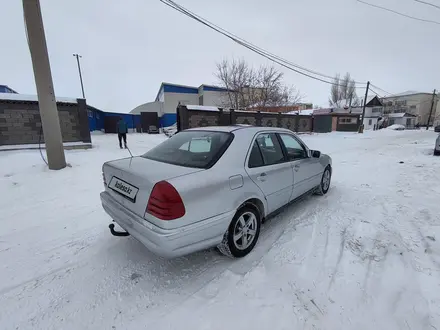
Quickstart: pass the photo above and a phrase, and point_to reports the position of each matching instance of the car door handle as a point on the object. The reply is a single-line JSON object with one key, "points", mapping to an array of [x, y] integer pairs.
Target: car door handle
{"points": [[262, 177]]}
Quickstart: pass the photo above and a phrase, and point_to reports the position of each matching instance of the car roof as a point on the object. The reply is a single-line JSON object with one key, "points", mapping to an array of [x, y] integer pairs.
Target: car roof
{"points": [[232, 128]]}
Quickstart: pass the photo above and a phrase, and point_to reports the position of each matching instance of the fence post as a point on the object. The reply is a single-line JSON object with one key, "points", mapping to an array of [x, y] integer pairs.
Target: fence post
{"points": [[296, 123], [232, 117], [258, 117], [182, 118], [279, 120]]}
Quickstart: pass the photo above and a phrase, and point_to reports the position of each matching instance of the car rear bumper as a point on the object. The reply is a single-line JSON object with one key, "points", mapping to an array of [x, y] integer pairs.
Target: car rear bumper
{"points": [[168, 243]]}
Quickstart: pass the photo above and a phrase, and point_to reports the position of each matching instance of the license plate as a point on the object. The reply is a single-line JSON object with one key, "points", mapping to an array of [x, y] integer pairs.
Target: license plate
{"points": [[123, 188]]}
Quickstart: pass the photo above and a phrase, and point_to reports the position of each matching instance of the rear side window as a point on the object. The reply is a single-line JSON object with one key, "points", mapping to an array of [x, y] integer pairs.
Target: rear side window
{"points": [[255, 158], [200, 149]]}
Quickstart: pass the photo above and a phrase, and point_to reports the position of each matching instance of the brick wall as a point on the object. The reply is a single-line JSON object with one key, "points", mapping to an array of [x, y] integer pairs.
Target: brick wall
{"points": [[20, 122], [200, 118]]}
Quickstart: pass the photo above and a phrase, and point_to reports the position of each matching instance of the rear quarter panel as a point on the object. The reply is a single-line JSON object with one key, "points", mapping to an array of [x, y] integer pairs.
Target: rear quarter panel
{"points": [[207, 194]]}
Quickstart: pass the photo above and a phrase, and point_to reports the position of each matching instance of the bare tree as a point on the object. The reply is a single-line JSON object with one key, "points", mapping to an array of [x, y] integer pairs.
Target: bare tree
{"points": [[342, 90], [247, 87]]}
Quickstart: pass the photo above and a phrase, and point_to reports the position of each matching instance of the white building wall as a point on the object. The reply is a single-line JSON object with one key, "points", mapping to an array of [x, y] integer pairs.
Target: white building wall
{"points": [[415, 104], [171, 100], [216, 99], [369, 123], [149, 107], [397, 121]]}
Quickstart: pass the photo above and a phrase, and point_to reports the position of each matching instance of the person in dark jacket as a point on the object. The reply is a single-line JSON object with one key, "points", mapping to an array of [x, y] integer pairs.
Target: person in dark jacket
{"points": [[122, 129]]}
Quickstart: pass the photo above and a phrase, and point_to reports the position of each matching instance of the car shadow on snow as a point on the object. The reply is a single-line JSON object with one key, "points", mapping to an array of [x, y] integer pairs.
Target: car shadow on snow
{"points": [[135, 263]]}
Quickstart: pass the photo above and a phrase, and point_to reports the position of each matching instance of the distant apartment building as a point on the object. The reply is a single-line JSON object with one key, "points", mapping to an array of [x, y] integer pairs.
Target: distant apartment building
{"points": [[412, 103]]}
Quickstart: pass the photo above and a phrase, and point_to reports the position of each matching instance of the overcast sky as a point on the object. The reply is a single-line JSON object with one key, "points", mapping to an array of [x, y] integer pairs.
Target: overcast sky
{"points": [[129, 47]]}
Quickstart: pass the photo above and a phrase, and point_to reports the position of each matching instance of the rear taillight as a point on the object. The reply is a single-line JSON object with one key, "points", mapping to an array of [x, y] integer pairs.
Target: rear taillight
{"points": [[165, 202]]}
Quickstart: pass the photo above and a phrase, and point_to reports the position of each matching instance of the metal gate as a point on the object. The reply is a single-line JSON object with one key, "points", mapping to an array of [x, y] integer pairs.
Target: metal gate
{"points": [[110, 124], [150, 122], [322, 123]]}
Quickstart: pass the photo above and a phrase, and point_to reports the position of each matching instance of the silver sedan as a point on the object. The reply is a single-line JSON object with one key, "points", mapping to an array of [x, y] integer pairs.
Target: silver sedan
{"points": [[211, 186]]}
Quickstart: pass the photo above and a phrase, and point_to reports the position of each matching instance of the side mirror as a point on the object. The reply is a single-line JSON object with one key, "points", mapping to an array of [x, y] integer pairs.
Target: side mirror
{"points": [[316, 153]]}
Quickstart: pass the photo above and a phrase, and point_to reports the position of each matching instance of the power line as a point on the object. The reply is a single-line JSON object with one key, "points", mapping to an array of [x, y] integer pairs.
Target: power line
{"points": [[399, 13], [381, 89], [428, 3], [277, 59], [375, 92]]}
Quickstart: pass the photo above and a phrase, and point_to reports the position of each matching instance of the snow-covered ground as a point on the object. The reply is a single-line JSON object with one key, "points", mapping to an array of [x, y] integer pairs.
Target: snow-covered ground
{"points": [[365, 256]]}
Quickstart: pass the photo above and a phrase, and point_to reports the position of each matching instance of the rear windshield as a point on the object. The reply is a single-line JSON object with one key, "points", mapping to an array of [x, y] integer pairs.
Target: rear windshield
{"points": [[200, 149]]}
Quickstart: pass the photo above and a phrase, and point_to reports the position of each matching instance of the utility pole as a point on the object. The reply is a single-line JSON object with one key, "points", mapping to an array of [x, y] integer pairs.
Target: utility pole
{"points": [[361, 128], [80, 75], [43, 80], [432, 108]]}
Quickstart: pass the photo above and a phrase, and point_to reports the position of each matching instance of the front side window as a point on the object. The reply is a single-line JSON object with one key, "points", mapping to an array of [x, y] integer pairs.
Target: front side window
{"points": [[294, 149], [200, 149], [270, 148]]}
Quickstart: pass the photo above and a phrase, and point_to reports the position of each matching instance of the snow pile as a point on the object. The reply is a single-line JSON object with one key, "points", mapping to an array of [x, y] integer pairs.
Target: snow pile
{"points": [[366, 255], [202, 107], [33, 98], [396, 127], [307, 112]]}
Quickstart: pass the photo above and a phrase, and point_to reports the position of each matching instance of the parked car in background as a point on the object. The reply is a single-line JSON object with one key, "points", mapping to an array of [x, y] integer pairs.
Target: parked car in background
{"points": [[210, 187], [437, 146], [437, 129], [397, 127]]}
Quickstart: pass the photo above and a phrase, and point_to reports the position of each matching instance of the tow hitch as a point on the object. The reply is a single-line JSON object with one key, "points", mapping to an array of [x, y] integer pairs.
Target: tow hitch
{"points": [[117, 233]]}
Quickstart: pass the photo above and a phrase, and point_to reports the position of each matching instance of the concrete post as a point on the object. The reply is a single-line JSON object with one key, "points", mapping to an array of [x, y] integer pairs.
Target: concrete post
{"points": [[83, 118], [43, 81]]}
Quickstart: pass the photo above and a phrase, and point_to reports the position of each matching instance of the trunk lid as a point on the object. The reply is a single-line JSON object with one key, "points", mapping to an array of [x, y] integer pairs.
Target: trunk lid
{"points": [[131, 180]]}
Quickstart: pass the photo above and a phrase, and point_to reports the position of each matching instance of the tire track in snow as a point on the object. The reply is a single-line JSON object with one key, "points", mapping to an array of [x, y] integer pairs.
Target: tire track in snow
{"points": [[340, 256]]}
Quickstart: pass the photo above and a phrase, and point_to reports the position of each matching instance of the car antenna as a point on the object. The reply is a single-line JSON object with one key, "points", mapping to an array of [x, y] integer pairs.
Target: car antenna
{"points": [[129, 151]]}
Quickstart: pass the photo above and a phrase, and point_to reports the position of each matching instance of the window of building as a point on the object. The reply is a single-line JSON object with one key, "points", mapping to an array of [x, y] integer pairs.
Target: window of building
{"points": [[347, 120], [400, 103], [90, 113], [377, 109], [370, 122], [413, 107]]}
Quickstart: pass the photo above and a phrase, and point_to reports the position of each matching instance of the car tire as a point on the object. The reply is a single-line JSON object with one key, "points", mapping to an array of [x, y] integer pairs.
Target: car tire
{"points": [[247, 223], [324, 186], [436, 152]]}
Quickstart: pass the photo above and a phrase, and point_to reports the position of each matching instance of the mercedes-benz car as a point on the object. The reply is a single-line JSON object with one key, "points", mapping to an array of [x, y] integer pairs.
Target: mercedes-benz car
{"points": [[210, 187]]}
